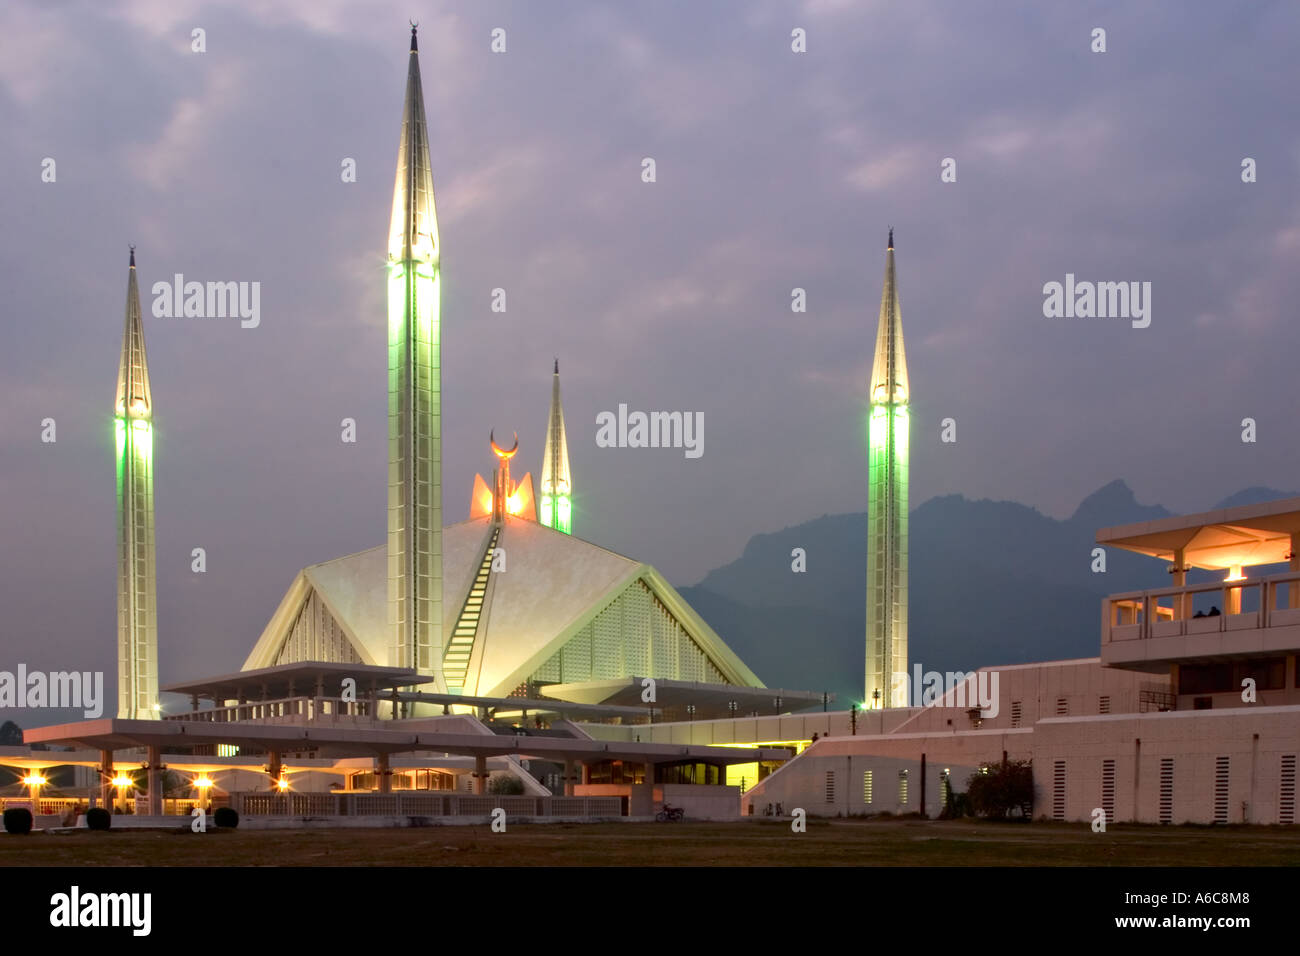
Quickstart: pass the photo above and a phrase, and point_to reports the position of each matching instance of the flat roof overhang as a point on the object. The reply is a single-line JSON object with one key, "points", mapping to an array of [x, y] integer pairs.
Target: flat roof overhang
{"points": [[1245, 536], [298, 680], [118, 734], [711, 700], [1154, 655]]}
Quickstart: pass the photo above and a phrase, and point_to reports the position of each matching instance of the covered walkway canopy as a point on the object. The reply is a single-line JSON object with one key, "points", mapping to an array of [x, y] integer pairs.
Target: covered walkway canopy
{"points": [[303, 679], [1245, 536], [118, 734]]}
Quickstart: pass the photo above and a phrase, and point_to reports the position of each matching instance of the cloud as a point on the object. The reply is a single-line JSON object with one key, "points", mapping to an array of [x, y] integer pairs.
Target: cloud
{"points": [[880, 174], [195, 123]]}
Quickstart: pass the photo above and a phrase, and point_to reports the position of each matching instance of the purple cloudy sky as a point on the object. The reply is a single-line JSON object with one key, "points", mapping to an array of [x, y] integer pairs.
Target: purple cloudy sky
{"points": [[775, 170]]}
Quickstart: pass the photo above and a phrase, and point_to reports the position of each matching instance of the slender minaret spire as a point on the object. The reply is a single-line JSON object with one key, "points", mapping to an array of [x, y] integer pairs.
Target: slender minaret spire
{"points": [[557, 482], [137, 602], [414, 401], [886, 684]]}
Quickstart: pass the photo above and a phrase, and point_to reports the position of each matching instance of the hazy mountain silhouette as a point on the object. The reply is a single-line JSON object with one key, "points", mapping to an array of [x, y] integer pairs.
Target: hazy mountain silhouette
{"points": [[992, 582]]}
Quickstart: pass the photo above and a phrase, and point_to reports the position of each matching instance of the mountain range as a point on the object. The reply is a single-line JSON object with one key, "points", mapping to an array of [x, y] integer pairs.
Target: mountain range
{"points": [[991, 582]]}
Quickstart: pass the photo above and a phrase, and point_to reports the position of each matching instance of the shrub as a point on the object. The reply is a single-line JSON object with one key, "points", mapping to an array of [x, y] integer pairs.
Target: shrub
{"points": [[1001, 789], [18, 820], [97, 818], [226, 817], [506, 786]]}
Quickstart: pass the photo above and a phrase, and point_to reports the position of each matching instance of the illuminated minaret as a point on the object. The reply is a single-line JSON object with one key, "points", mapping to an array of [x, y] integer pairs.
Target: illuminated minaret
{"points": [[137, 587], [557, 483], [887, 507], [414, 402]]}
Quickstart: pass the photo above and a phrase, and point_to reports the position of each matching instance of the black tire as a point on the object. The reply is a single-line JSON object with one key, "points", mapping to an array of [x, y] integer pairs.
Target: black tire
{"points": [[661, 817], [18, 820]]}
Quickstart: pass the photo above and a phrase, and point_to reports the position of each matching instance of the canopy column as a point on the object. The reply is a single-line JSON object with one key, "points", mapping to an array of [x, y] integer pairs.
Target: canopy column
{"points": [[480, 774], [106, 780], [155, 797]]}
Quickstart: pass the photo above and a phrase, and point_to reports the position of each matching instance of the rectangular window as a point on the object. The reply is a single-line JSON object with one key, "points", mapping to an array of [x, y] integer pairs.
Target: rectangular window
{"points": [[1103, 705], [1015, 713], [830, 786], [1220, 789], [1205, 678], [1268, 673], [866, 786], [1166, 789], [902, 788], [1108, 789], [1058, 790], [1062, 707]]}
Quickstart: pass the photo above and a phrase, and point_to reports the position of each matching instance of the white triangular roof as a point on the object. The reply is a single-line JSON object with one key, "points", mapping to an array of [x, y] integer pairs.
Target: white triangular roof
{"points": [[553, 585]]}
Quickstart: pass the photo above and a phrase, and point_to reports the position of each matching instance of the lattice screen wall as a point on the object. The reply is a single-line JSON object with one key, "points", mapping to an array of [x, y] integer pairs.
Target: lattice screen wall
{"points": [[316, 636], [636, 634]]}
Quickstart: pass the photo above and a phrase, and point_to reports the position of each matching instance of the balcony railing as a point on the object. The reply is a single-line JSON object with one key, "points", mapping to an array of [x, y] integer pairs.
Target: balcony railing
{"points": [[286, 710], [1168, 612]]}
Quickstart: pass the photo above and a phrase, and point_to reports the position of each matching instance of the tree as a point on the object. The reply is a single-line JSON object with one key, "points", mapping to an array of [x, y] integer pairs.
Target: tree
{"points": [[1001, 791], [11, 735]]}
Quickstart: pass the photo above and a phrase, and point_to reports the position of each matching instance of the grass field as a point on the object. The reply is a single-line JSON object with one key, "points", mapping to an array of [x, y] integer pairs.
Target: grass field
{"points": [[749, 843]]}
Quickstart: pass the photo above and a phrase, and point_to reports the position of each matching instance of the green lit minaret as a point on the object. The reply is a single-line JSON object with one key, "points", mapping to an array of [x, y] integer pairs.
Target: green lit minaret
{"points": [[414, 401], [137, 601], [887, 507], [557, 482]]}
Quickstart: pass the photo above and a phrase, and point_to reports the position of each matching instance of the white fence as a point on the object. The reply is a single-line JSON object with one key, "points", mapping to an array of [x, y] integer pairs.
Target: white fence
{"points": [[419, 804]]}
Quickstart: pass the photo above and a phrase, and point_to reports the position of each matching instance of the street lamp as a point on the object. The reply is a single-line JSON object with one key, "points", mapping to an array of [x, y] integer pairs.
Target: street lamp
{"points": [[203, 784], [690, 711], [731, 708], [122, 782], [34, 781]]}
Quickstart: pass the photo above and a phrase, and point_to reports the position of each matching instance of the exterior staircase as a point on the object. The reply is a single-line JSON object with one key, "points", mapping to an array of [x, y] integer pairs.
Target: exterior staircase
{"points": [[455, 662]]}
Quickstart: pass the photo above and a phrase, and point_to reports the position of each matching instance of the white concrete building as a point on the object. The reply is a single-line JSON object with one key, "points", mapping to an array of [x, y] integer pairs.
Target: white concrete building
{"points": [[1190, 715]]}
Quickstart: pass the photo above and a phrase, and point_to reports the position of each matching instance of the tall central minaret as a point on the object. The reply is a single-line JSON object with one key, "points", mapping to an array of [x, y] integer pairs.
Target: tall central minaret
{"points": [[137, 589], [557, 483], [886, 684], [414, 402]]}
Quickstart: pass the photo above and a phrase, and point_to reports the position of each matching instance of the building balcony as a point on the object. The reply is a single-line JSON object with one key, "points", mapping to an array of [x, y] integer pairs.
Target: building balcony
{"points": [[1150, 630]]}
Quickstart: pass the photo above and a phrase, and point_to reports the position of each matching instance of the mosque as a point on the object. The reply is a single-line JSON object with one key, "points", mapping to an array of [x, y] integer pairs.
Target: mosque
{"points": [[504, 662], [456, 633]]}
